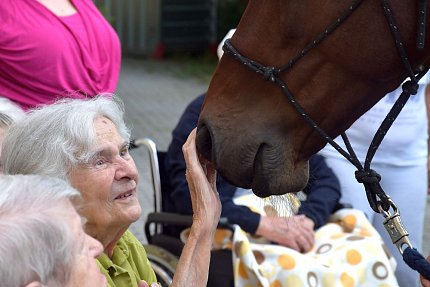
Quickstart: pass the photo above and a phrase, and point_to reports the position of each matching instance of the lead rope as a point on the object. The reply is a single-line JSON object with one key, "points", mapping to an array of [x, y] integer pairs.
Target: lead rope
{"points": [[379, 201], [392, 222]]}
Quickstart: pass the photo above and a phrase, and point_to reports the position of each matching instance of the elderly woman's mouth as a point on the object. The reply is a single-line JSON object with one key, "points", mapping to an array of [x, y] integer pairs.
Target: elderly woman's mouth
{"points": [[126, 195]]}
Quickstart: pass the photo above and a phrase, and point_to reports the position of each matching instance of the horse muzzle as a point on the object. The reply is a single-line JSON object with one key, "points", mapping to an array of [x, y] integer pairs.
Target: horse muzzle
{"points": [[248, 163]]}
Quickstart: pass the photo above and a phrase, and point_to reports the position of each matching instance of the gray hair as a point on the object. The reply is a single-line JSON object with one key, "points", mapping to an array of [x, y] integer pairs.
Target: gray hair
{"points": [[9, 112], [52, 139], [35, 244]]}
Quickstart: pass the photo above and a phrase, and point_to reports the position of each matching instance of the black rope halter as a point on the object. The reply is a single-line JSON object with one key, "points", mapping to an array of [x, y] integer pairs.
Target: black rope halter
{"points": [[379, 201]]}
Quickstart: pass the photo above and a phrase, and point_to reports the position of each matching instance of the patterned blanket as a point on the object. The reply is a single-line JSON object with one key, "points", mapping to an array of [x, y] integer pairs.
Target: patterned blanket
{"points": [[348, 252]]}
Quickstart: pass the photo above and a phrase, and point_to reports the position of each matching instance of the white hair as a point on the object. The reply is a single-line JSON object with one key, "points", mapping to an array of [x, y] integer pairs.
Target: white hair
{"points": [[9, 112], [53, 139], [35, 243]]}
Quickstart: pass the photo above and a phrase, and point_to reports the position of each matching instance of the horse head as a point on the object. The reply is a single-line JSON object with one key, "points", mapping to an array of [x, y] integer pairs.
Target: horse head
{"points": [[249, 129]]}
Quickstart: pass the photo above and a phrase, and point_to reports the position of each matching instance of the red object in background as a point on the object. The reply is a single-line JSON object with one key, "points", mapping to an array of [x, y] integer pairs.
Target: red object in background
{"points": [[213, 48], [159, 51]]}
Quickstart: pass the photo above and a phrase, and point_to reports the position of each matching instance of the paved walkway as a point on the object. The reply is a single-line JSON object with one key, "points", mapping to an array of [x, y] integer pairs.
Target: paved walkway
{"points": [[154, 99]]}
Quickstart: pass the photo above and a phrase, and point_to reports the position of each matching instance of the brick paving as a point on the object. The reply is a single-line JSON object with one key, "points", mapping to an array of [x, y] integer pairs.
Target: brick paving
{"points": [[154, 99]]}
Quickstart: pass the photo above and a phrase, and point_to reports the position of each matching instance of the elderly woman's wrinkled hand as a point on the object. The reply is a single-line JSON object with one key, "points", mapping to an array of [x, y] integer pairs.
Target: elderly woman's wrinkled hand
{"points": [[295, 232], [201, 177]]}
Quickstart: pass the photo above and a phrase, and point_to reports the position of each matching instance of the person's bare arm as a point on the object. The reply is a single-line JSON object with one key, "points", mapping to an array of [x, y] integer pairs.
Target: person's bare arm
{"points": [[193, 265]]}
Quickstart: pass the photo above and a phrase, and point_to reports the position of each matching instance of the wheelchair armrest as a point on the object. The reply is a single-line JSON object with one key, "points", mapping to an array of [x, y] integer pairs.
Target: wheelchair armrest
{"points": [[166, 218], [176, 219], [170, 218]]}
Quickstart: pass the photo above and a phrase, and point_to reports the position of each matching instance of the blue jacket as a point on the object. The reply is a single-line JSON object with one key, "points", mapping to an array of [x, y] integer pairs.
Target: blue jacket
{"points": [[323, 190]]}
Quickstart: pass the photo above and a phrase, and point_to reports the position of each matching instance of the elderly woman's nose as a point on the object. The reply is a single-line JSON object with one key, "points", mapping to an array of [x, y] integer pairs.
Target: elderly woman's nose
{"points": [[126, 168]]}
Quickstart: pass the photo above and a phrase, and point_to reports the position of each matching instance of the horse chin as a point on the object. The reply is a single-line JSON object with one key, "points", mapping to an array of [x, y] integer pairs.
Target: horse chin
{"points": [[264, 188], [278, 182], [271, 172]]}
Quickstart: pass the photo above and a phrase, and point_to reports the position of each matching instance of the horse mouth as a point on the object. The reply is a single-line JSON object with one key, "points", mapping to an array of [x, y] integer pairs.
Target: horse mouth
{"points": [[266, 168], [259, 184], [269, 173], [239, 171]]}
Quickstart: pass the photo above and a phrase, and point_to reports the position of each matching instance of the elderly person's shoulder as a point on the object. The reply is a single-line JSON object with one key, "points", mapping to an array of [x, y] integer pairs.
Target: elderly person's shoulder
{"points": [[129, 256], [128, 253]]}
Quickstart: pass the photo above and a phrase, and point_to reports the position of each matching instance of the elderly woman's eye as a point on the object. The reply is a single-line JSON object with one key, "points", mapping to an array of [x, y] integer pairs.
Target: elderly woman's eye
{"points": [[124, 152], [99, 162]]}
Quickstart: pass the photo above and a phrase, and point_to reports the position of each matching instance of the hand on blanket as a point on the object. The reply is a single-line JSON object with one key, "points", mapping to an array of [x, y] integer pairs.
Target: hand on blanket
{"points": [[295, 232]]}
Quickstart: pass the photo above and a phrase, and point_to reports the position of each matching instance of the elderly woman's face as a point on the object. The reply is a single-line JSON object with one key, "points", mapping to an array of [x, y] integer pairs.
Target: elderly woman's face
{"points": [[108, 184], [84, 272]]}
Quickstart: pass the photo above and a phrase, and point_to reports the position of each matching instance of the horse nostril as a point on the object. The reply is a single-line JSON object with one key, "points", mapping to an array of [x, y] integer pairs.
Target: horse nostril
{"points": [[204, 141]]}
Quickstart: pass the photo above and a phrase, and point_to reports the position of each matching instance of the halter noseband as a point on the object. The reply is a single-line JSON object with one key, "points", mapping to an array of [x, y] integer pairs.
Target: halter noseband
{"points": [[379, 201]]}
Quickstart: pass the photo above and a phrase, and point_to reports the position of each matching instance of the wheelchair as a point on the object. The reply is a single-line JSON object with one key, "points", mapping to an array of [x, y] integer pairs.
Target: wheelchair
{"points": [[162, 228]]}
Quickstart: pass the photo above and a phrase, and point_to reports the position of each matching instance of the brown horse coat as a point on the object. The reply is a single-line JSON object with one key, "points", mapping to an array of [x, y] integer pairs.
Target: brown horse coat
{"points": [[247, 126]]}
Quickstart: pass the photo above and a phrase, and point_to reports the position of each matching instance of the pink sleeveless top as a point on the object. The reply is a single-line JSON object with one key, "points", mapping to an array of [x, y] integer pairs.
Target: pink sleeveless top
{"points": [[44, 57]]}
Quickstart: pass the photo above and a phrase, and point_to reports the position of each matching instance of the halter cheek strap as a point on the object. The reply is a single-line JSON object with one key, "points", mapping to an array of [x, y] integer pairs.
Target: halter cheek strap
{"points": [[422, 18], [379, 201]]}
